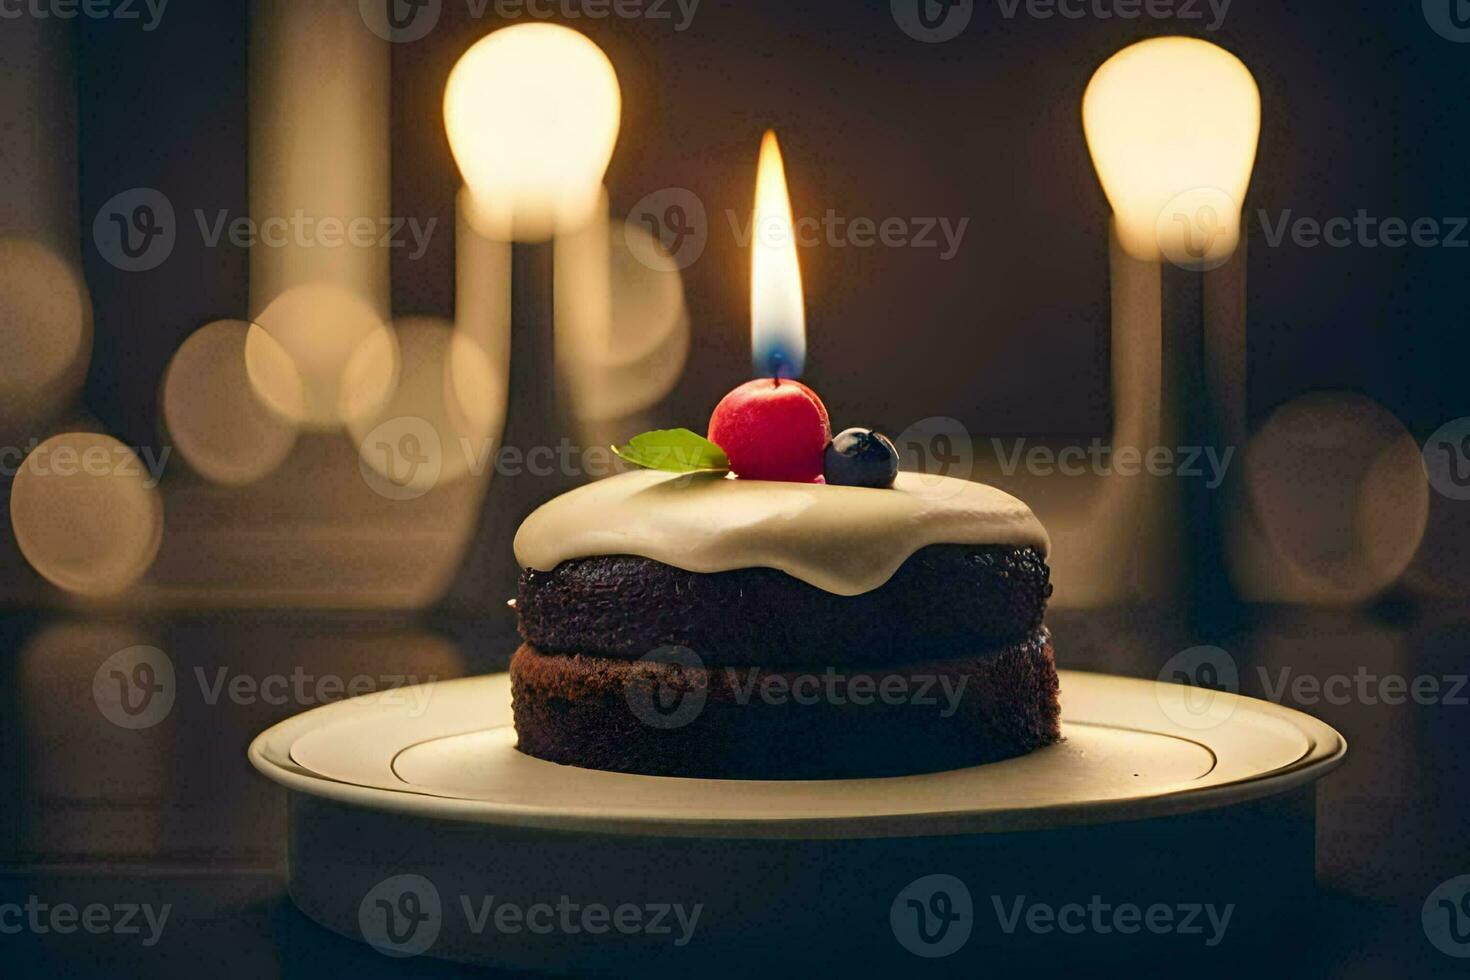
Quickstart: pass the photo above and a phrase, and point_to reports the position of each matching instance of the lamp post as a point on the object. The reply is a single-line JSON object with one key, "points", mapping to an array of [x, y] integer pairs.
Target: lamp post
{"points": [[1173, 124], [532, 113]]}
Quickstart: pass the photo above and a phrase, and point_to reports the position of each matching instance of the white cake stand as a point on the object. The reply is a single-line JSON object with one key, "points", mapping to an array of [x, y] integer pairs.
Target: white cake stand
{"points": [[412, 816]]}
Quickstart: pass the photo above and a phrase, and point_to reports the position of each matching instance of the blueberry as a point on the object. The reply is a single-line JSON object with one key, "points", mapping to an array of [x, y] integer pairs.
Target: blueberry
{"points": [[860, 458]]}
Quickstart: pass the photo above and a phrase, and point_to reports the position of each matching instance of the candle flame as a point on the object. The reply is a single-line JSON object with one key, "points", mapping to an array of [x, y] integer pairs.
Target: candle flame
{"points": [[777, 316]]}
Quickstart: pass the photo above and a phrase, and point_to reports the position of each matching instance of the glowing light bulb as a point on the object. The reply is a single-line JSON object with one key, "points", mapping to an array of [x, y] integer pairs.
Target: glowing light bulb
{"points": [[532, 112], [1172, 124], [777, 313]]}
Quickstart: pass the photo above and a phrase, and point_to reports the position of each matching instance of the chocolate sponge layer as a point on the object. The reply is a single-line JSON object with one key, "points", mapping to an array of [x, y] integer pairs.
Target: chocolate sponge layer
{"points": [[945, 597], [683, 718]]}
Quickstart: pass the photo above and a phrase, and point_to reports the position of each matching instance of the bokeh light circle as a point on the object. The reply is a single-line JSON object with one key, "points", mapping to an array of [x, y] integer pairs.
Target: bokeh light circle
{"points": [[217, 420], [1336, 487], [87, 515], [438, 423], [322, 328], [45, 330]]}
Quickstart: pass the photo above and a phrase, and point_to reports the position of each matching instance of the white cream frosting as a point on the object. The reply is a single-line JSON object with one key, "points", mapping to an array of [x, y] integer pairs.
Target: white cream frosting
{"points": [[846, 540]]}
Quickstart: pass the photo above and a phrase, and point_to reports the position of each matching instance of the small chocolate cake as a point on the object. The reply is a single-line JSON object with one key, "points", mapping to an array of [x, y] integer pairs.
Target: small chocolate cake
{"points": [[701, 627], [674, 717], [943, 599]]}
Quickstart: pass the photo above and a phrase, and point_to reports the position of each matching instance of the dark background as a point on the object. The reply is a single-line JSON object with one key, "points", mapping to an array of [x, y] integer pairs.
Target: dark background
{"points": [[1360, 110], [1363, 108]]}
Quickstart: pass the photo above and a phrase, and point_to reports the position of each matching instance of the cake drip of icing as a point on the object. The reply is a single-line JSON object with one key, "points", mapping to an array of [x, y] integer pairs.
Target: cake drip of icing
{"points": [[845, 540]]}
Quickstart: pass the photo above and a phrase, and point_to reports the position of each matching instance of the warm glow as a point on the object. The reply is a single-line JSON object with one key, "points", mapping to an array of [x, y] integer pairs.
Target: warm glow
{"points": [[777, 316], [87, 513], [428, 433], [532, 113], [1172, 124], [219, 422], [322, 330], [45, 331]]}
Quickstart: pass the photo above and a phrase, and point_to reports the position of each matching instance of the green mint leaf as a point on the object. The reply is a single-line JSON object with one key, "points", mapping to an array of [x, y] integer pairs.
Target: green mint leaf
{"points": [[674, 451]]}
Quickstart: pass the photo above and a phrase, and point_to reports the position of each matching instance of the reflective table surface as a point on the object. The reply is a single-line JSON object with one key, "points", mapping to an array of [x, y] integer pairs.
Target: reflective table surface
{"points": [[137, 840]]}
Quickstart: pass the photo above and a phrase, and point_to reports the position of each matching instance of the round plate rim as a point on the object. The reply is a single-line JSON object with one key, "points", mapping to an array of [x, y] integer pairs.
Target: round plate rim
{"points": [[269, 753]]}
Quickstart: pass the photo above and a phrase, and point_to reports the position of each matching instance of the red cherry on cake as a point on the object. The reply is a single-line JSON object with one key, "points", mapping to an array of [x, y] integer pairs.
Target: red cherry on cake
{"points": [[826, 419], [772, 429]]}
